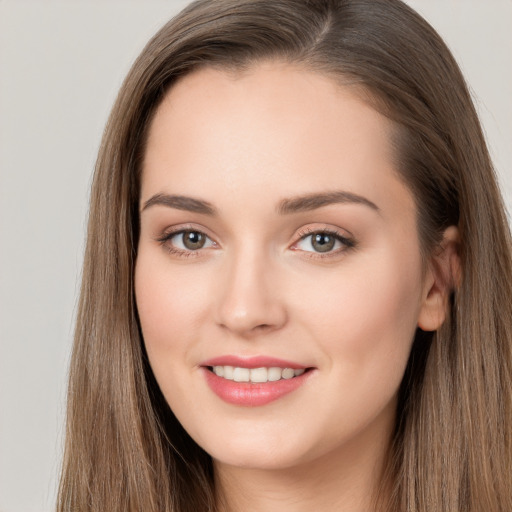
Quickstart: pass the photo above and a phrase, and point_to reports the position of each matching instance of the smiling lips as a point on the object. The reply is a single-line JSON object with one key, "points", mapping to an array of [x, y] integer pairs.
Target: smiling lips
{"points": [[253, 381], [256, 375]]}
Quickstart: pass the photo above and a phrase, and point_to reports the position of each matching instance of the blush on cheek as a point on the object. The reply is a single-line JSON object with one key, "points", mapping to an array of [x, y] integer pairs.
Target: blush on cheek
{"points": [[370, 321], [170, 305]]}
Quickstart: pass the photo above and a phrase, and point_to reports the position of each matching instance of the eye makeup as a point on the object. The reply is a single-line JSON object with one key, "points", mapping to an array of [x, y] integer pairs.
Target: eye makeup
{"points": [[323, 242], [189, 241], [185, 241]]}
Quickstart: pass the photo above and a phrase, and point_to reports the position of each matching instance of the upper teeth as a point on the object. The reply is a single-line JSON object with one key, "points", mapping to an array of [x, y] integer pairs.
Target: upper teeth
{"points": [[256, 374]]}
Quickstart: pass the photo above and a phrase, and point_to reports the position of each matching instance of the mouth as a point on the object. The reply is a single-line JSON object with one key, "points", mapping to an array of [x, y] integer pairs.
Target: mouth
{"points": [[256, 375], [253, 381]]}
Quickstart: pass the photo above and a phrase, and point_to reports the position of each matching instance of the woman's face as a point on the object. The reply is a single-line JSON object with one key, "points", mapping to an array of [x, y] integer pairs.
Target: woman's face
{"points": [[278, 249]]}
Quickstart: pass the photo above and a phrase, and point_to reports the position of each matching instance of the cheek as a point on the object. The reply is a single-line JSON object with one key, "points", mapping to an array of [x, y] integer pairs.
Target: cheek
{"points": [[170, 306], [365, 316], [363, 319]]}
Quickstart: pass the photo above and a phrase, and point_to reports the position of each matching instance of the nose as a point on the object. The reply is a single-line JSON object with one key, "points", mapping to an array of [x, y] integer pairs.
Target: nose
{"points": [[250, 301]]}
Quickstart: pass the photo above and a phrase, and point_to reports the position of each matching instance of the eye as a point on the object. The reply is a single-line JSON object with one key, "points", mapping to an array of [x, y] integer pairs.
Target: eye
{"points": [[323, 242], [186, 241], [191, 240]]}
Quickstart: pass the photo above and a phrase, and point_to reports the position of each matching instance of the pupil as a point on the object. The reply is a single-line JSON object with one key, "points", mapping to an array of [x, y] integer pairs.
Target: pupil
{"points": [[193, 240], [322, 242]]}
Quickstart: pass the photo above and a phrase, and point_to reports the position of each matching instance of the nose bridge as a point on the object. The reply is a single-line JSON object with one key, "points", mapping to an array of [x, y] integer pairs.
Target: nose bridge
{"points": [[249, 300]]}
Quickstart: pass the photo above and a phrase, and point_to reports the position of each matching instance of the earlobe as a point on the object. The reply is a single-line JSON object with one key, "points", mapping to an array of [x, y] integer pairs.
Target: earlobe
{"points": [[442, 278]]}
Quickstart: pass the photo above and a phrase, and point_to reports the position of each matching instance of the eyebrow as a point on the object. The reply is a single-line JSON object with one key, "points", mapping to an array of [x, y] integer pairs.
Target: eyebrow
{"points": [[181, 203], [313, 201], [304, 203]]}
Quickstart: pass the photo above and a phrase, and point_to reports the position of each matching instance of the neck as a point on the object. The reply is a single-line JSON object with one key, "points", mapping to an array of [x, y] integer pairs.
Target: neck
{"points": [[346, 480]]}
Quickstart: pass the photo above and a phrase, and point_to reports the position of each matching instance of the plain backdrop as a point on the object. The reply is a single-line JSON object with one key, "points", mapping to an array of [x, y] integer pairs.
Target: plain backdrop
{"points": [[61, 64]]}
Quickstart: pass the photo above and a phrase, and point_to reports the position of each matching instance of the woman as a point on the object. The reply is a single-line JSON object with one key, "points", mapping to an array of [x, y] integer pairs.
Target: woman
{"points": [[297, 283]]}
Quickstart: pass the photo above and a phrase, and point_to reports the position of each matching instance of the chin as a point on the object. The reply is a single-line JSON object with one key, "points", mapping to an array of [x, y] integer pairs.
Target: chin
{"points": [[258, 460], [266, 453]]}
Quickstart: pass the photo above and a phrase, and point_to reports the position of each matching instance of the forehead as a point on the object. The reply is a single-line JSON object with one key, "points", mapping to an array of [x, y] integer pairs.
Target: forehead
{"points": [[273, 130]]}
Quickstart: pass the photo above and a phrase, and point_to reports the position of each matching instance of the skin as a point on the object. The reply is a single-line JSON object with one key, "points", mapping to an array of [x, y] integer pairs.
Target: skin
{"points": [[244, 143]]}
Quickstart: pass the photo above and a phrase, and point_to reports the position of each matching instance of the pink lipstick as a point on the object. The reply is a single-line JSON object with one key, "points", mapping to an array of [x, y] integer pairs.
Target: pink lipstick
{"points": [[253, 381]]}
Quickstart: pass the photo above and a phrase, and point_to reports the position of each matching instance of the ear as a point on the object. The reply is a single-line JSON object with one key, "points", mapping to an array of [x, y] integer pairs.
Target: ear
{"points": [[442, 277]]}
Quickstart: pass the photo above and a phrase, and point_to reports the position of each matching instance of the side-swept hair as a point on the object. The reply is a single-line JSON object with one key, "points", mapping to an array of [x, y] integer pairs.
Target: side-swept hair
{"points": [[452, 448]]}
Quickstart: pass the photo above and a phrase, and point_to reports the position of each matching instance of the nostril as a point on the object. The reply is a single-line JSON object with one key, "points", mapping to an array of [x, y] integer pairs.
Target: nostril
{"points": [[262, 327]]}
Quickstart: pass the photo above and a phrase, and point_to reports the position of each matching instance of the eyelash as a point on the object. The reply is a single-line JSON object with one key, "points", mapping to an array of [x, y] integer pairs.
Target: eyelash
{"points": [[348, 243], [166, 237]]}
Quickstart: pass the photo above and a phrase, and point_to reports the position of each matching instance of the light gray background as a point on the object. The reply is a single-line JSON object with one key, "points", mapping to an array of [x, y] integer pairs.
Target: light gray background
{"points": [[61, 64]]}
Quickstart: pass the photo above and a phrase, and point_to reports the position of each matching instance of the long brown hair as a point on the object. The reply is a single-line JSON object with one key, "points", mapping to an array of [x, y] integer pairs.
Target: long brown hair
{"points": [[452, 447]]}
